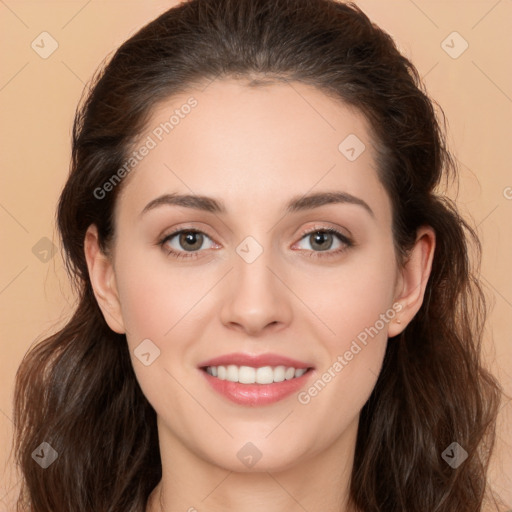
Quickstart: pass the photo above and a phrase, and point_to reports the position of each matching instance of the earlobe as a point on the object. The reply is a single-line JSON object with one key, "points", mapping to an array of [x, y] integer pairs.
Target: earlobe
{"points": [[101, 274], [413, 279]]}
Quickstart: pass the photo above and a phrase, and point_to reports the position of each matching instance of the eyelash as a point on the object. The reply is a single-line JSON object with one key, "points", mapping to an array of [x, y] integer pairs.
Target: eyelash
{"points": [[313, 254]]}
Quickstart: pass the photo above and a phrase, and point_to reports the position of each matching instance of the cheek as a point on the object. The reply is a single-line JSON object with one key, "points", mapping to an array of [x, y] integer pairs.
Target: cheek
{"points": [[342, 385], [143, 307], [156, 296], [355, 305], [161, 304], [351, 298]]}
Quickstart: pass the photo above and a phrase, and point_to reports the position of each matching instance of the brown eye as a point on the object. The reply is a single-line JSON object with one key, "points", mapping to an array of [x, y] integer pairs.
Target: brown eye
{"points": [[321, 240], [190, 240], [184, 241]]}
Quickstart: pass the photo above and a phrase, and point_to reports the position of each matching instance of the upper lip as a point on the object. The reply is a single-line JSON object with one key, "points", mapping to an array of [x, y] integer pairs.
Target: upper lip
{"points": [[256, 361]]}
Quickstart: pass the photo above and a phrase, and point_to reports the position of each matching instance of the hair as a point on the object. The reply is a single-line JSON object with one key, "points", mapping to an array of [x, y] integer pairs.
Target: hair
{"points": [[77, 389]]}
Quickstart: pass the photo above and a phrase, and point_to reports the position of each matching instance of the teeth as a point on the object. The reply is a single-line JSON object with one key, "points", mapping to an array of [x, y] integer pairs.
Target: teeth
{"points": [[249, 375]]}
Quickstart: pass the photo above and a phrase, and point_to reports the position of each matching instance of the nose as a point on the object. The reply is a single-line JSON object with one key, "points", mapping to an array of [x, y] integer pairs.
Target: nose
{"points": [[257, 298]]}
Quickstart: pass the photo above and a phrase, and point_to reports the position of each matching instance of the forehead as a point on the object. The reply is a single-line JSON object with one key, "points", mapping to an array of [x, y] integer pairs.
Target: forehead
{"points": [[253, 145]]}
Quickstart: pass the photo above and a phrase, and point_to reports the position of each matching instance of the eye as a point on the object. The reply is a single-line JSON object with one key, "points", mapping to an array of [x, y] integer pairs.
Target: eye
{"points": [[187, 243], [322, 239], [183, 241]]}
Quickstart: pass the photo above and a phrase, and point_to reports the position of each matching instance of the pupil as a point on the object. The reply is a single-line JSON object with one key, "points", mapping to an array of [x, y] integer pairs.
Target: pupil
{"points": [[188, 239], [320, 238]]}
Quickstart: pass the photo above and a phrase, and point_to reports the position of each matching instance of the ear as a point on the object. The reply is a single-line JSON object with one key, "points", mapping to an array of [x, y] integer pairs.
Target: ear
{"points": [[412, 280], [101, 274]]}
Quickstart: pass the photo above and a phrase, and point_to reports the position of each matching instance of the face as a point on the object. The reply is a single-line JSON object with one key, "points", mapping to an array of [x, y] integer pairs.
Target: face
{"points": [[258, 267]]}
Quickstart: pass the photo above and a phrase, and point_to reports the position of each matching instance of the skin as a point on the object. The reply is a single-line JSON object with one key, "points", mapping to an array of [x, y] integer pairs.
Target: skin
{"points": [[255, 149]]}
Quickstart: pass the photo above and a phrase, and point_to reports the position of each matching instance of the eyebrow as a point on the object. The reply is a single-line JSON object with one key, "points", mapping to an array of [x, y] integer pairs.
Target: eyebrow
{"points": [[296, 204]]}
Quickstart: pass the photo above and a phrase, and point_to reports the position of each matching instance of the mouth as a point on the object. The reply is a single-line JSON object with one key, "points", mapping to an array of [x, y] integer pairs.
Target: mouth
{"points": [[256, 386], [250, 375]]}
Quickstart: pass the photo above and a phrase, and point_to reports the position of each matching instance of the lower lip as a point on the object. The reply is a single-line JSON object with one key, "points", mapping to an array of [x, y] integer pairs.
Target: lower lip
{"points": [[256, 394]]}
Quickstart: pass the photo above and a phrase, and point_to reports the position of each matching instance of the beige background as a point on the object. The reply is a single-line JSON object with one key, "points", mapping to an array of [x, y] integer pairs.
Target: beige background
{"points": [[38, 99]]}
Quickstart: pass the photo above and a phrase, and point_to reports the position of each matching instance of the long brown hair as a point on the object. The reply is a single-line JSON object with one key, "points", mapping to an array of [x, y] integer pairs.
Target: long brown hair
{"points": [[77, 390]]}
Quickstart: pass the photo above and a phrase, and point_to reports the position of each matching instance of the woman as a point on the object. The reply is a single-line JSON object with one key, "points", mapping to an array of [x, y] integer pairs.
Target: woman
{"points": [[276, 309]]}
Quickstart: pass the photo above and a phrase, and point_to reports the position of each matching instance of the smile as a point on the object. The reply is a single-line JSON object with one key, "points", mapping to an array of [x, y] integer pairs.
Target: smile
{"points": [[250, 375], [254, 387]]}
